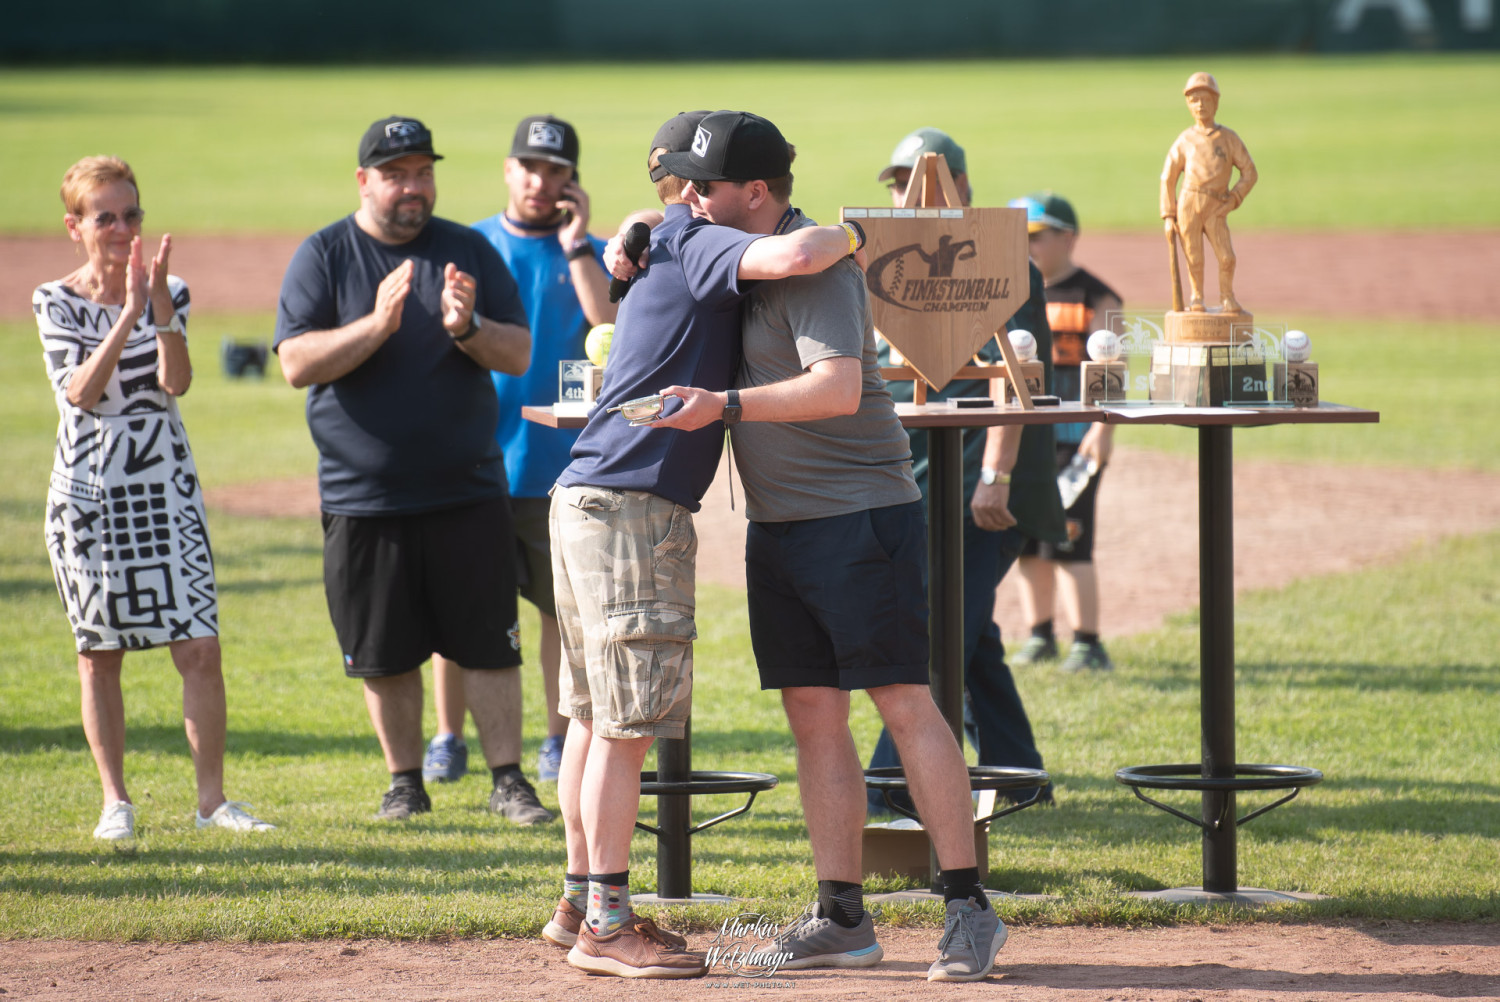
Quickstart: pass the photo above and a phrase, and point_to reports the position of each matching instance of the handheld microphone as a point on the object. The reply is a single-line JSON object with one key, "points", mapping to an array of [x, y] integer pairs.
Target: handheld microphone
{"points": [[636, 240]]}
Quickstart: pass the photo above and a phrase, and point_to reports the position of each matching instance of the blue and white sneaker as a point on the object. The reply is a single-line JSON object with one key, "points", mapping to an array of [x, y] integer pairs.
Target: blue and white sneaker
{"points": [[549, 758], [447, 759], [812, 940]]}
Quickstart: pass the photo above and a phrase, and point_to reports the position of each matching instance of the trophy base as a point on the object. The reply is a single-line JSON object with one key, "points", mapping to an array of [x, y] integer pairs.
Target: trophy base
{"points": [[1208, 327], [1033, 372], [1225, 374], [1103, 382], [1296, 383]]}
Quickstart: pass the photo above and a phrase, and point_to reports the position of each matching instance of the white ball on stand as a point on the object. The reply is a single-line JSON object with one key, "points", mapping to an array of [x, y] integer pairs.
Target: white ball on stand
{"points": [[1296, 346], [1024, 344], [1104, 346]]}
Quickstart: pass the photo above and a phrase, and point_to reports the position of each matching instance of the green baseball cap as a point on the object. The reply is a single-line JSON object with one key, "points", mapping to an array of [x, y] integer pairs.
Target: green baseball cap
{"points": [[925, 140], [1047, 210]]}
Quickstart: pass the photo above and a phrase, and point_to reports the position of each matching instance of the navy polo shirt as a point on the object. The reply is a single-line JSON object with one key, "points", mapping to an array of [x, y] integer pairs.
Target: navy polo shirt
{"points": [[411, 428], [679, 325]]}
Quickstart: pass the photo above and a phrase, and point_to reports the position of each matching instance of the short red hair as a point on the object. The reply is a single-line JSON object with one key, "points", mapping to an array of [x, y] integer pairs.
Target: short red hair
{"points": [[88, 174]]}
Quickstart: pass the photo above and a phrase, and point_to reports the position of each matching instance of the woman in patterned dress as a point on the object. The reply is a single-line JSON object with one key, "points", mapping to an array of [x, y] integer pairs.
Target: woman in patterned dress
{"points": [[124, 527]]}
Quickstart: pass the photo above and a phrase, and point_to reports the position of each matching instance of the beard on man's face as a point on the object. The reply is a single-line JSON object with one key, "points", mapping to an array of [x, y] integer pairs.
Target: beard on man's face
{"points": [[408, 215]]}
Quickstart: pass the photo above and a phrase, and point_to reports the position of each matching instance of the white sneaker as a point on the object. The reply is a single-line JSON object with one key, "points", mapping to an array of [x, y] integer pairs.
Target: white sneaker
{"points": [[231, 814], [116, 822]]}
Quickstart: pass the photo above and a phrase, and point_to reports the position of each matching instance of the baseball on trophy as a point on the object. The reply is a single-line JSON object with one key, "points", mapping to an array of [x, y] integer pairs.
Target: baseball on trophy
{"points": [[596, 344], [1296, 346], [1024, 344], [1104, 346]]}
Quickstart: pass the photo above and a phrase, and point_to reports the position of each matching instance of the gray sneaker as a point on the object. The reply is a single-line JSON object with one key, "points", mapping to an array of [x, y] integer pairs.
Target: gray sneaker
{"points": [[514, 799], [1035, 651], [816, 941], [1086, 656], [971, 938]]}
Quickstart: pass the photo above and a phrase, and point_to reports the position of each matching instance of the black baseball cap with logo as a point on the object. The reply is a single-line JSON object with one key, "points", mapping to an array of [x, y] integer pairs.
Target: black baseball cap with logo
{"points": [[675, 136], [732, 146], [393, 138], [546, 137]]}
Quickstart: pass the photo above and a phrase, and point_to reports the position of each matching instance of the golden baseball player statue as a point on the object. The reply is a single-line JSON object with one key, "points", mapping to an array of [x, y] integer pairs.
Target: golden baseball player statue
{"points": [[1205, 155]]}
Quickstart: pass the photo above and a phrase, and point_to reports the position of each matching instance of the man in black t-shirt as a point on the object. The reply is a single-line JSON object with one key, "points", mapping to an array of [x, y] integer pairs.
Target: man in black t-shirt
{"points": [[393, 320]]}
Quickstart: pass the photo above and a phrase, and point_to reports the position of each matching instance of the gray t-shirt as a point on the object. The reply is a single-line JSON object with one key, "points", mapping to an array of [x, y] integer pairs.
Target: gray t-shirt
{"points": [[839, 465]]}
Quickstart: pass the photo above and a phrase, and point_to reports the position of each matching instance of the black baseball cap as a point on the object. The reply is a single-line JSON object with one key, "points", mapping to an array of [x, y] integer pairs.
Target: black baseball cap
{"points": [[546, 137], [675, 136], [732, 146], [393, 138]]}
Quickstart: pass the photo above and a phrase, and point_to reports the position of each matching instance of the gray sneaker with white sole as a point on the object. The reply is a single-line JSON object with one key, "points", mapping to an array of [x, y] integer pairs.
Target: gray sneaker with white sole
{"points": [[971, 938], [813, 940]]}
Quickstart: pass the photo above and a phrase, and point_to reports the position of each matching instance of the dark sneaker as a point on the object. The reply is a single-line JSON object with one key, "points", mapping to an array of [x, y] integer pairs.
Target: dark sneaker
{"points": [[1086, 656], [971, 938], [515, 799], [815, 941], [563, 928], [447, 759], [401, 802], [549, 759], [636, 950], [1035, 651]]}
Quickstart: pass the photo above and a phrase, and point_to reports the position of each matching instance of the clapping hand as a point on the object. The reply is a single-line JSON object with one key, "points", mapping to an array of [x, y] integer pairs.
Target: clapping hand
{"points": [[458, 300], [390, 298]]}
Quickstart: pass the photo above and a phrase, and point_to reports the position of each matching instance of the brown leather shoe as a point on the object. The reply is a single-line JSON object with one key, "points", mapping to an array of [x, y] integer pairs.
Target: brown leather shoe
{"points": [[562, 929], [637, 950]]}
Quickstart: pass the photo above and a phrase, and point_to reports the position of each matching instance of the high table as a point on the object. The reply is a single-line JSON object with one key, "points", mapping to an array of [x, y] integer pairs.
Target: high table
{"points": [[1219, 776]]}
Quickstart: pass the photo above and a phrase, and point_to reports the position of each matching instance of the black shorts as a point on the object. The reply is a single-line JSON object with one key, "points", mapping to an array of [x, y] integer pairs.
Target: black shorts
{"points": [[1079, 549], [404, 587], [534, 552], [840, 602]]}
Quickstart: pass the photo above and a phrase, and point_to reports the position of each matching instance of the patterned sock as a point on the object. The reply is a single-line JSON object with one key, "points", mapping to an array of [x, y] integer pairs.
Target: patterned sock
{"points": [[609, 902], [1042, 629], [962, 884], [842, 901], [576, 890]]}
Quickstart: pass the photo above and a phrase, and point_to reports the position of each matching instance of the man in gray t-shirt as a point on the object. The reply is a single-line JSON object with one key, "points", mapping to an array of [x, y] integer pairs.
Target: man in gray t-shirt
{"points": [[836, 567]]}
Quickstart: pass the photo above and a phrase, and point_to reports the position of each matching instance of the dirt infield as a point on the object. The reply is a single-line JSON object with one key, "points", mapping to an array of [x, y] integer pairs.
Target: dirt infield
{"points": [[1282, 277], [1391, 961]]}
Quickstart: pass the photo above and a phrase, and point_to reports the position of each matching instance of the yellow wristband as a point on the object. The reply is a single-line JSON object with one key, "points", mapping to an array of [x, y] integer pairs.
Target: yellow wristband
{"points": [[853, 236]]}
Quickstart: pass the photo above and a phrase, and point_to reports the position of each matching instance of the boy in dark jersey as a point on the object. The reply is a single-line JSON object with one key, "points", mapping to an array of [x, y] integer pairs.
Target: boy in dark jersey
{"points": [[1078, 303]]}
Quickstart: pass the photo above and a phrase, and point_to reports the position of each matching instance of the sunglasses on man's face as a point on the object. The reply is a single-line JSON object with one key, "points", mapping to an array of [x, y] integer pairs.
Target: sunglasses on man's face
{"points": [[107, 220], [703, 188]]}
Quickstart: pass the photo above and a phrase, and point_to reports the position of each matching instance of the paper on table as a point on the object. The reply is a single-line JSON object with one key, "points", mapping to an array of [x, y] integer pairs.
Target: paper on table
{"points": [[1141, 412]]}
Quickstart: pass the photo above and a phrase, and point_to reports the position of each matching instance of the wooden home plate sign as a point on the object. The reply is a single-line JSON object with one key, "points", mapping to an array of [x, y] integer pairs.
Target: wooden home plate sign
{"points": [[943, 280]]}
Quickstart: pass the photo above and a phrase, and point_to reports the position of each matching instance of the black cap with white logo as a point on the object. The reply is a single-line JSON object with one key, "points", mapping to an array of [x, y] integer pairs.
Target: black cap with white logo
{"points": [[545, 137], [732, 146], [393, 138], [675, 136]]}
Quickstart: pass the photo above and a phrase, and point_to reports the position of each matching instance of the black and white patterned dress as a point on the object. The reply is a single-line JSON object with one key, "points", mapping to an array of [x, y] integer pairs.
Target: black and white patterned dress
{"points": [[125, 527]]}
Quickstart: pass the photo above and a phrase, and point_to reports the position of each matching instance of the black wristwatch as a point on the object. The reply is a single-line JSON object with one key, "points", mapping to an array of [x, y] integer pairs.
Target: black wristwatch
{"points": [[473, 329], [732, 412], [581, 249]]}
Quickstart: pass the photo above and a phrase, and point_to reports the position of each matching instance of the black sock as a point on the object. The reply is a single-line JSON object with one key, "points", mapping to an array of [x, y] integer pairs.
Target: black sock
{"points": [[411, 777], [961, 884], [842, 901], [499, 772], [1085, 637], [1043, 630]]}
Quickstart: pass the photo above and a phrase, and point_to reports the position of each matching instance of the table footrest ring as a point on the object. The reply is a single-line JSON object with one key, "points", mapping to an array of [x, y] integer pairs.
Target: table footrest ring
{"points": [[702, 783], [888, 779], [1189, 776]]}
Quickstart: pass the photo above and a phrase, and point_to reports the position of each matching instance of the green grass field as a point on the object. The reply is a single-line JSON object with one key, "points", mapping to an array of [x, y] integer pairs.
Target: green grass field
{"points": [[1388, 679], [1340, 142]]}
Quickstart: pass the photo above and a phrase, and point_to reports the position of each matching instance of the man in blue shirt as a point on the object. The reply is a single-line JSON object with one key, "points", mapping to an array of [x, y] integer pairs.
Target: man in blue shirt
{"points": [[393, 320], [543, 237], [624, 545]]}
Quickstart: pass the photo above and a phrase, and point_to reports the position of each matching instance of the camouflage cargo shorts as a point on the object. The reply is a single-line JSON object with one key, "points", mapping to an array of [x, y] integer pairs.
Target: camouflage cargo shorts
{"points": [[622, 566]]}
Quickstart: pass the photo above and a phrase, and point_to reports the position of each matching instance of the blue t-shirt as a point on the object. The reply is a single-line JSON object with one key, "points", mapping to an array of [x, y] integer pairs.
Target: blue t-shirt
{"points": [[411, 428], [534, 453], [680, 324]]}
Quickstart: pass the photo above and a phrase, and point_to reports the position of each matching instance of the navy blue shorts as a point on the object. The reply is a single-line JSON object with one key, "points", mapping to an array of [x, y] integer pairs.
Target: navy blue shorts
{"points": [[840, 602]]}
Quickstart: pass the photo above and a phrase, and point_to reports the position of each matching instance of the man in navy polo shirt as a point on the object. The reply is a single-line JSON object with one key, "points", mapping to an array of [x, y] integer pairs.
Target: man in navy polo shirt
{"points": [[624, 546], [394, 319]]}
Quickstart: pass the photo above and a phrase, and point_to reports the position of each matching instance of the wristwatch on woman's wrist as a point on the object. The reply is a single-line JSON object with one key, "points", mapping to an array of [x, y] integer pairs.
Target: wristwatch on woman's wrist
{"points": [[989, 476]]}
